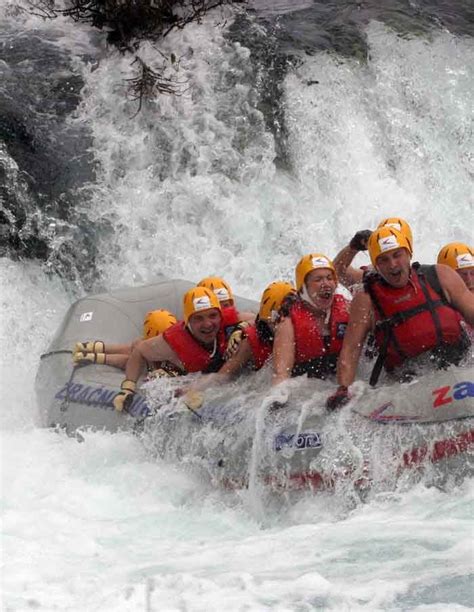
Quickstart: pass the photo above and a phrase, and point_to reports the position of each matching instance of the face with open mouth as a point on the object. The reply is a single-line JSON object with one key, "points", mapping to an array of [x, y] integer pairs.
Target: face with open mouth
{"points": [[205, 325], [394, 266], [321, 285]]}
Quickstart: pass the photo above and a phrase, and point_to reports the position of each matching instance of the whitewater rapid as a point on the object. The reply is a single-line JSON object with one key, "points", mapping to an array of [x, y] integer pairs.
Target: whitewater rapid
{"points": [[189, 188]]}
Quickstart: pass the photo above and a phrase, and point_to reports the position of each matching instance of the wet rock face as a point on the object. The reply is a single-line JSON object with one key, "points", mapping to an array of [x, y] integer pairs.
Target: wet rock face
{"points": [[44, 156]]}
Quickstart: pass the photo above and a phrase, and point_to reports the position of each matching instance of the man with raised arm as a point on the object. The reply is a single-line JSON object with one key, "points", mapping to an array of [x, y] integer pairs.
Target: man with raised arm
{"points": [[413, 310]]}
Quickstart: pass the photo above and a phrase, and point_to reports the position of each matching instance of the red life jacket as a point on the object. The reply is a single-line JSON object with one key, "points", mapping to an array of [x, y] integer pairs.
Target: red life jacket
{"points": [[413, 319], [261, 350], [230, 318], [192, 354], [310, 345]]}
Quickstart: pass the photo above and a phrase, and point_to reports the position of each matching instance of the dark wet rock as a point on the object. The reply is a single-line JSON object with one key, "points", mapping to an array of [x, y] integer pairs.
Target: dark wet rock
{"points": [[45, 157]]}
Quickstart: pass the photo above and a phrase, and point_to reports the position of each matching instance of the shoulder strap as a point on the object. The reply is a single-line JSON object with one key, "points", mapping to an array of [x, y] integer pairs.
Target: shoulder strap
{"points": [[431, 275]]}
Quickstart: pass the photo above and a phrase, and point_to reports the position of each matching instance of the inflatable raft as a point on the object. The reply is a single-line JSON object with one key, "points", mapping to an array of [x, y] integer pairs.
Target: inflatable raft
{"points": [[381, 435], [234, 437], [72, 397]]}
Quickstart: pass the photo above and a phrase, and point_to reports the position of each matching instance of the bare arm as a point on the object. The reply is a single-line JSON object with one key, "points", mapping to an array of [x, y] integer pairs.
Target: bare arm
{"points": [[283, 351], [359, 326], [120, 349], [347, 275], [456, 292], [249, 317], [154, 349]]}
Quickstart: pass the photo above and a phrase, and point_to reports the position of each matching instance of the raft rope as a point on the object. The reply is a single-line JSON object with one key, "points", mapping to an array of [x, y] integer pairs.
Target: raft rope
{"points": [[60, 352]]}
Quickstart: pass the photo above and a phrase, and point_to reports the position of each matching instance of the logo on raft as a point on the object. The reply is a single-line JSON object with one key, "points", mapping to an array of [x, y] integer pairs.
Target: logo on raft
{"points": [[459, 391], [100, 397], [307, 439], [379, 416]]}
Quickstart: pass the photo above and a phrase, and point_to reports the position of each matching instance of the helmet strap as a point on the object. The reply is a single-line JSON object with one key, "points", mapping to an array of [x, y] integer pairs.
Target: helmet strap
{"points": [[306, 297]]}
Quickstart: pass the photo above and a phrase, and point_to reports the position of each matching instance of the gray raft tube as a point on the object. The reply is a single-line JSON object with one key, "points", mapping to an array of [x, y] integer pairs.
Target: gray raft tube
{"points": [[115, 317]]}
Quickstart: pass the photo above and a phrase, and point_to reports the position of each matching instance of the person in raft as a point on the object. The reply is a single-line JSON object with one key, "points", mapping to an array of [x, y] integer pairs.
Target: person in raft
{"points": [[309, 336], [95, 351], [460, 257], [196, 344], [352, 277], [413, 309], [255, 348], [234, 321]]}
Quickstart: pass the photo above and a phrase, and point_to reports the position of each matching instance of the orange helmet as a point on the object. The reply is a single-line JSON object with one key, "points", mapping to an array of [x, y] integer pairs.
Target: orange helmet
{"points": [[199, 299], [401, 225], [313, 261], [386, 239], [156, 322], [272, 299], [219, 286], [457, 256]]}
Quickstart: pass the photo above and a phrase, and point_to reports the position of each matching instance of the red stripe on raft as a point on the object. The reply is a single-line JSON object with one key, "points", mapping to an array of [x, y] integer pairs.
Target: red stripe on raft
{"points": [[441, 449], [437, 451]]}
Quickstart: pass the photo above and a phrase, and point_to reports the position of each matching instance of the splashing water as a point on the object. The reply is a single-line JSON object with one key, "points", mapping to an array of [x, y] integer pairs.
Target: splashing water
{"points": [[189, 188]]}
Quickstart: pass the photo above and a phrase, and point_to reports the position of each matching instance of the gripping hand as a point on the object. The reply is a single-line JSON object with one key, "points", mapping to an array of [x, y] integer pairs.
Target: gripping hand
{"points": [[124, 398], [193, 400], [338, 399], [359, 240], [277, 398], [235, 339]]}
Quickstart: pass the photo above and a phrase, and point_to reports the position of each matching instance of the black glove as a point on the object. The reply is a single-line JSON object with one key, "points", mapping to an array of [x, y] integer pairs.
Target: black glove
{"points": [[277, 398], [338, 399], [359, 241], [274, 406]]}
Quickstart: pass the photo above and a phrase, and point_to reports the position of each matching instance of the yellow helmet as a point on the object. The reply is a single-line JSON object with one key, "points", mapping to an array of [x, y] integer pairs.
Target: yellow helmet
{"points": [[272, 299], [386, 239], [457, 256], [313, 261], [401, 225], [219, 286], [199, 299], [156, 322]]}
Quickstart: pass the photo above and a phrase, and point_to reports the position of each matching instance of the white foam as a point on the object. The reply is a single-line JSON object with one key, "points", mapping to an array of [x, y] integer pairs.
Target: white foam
{"points": [[190, 189]]}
